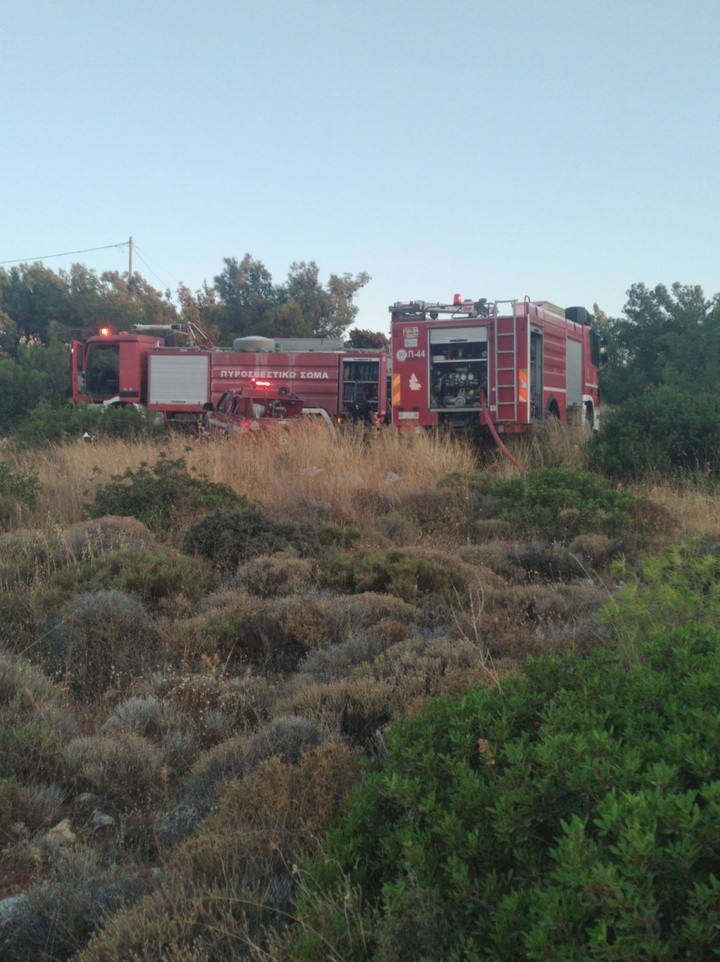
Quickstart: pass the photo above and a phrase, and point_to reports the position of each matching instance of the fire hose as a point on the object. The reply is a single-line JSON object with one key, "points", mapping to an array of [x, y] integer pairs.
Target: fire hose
{"points": [[496, 437]]}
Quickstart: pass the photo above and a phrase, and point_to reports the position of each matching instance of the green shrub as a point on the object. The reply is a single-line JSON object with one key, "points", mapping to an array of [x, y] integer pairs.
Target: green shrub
{"points": [[571, 814], [161, 496], [664, 430], [550, 503], [229, 537], [157, 577], [409, 576], [55, 423], [682, 584]]}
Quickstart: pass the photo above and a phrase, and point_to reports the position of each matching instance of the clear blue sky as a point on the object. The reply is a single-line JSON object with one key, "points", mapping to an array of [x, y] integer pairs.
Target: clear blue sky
{"points": [[563, 149]]}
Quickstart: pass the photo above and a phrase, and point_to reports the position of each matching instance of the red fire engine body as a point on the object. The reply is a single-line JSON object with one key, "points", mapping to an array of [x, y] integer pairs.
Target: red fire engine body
{"points": [[514, 362], [179, 382]]}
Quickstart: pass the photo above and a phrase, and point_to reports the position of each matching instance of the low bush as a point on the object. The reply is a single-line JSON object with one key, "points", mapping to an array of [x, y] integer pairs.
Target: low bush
{"points": [[55, 918], [34, 725], [231, 536], [31, 807], [216, 704], [267, 635], [162, 579], [682, 584], [286, 737], [277, 576], [100, 639], [410, 576], [664, 431], [236, 876], [121, 767], [162, 496], [570, 814], [551, 503]]}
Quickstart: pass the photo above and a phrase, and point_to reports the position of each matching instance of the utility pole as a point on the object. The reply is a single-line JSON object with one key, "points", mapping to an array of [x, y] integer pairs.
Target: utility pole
{"points": [[130, 247]]}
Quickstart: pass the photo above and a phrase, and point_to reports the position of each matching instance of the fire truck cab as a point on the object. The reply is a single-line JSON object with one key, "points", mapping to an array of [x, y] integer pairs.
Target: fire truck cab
{"points": [[514, 362]]}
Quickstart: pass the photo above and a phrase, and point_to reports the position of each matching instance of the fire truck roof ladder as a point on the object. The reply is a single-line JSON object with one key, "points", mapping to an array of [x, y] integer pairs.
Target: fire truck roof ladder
{"points": [[506, 356]]}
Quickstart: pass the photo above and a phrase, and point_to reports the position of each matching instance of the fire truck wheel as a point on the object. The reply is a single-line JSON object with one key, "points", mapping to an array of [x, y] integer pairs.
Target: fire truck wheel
{"points": [[553, 411]]}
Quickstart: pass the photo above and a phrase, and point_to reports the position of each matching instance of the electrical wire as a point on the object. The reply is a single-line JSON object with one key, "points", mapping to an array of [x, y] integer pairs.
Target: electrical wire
{"points": [[150, 268], [45, 257]]}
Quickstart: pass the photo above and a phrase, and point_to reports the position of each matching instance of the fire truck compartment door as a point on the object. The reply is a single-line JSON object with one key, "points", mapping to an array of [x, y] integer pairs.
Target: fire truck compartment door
{"points": [[178, 379], [459, 335], [574, 373]]}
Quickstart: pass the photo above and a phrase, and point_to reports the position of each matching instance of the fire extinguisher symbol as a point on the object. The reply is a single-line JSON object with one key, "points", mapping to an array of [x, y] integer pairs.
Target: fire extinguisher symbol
{"points": [[522, 385]]}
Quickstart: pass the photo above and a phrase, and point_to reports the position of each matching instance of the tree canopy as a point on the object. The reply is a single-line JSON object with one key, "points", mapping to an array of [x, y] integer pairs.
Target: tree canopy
{"points": [[248, 302], [667, 337], [243, 299]]}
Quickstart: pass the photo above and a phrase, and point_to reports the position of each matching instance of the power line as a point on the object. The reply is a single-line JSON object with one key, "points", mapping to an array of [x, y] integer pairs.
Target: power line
{"points": [[45, 257], [151, 269]]}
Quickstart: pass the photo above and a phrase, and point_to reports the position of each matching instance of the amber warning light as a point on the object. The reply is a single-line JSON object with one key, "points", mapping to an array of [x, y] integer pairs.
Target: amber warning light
{"points": [[106, 331]]}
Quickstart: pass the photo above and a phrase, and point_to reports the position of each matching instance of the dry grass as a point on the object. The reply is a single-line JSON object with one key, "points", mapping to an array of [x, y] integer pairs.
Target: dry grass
{"points": [[695, 511], [344, 474], [551, 444]]}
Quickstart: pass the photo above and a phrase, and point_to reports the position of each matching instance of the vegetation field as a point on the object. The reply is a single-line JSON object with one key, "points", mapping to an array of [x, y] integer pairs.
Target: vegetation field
{"points": [[220, 734], [357, 699]]}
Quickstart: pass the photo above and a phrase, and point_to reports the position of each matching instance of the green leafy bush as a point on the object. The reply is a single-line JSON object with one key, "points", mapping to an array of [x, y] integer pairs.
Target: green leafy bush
{"points": [[571, 814], [230, 536], [551, 503], [406, 575], [161, 578], [665, 430], [680, 585], [48, 422], [161, 496]]}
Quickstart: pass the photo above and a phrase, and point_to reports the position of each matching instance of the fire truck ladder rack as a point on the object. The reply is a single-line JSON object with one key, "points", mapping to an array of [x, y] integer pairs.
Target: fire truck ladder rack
{"points": [[506, 376], [196, 335]]}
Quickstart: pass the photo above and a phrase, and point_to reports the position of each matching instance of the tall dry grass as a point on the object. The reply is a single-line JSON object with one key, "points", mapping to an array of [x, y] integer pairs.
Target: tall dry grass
{"points": [[695, 509], [551, 444], [343, 474], [286, 473]]}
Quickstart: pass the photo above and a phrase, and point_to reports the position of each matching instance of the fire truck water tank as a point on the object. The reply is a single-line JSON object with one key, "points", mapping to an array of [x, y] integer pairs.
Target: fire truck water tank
{"points": [[579, 315], [254, 343]]}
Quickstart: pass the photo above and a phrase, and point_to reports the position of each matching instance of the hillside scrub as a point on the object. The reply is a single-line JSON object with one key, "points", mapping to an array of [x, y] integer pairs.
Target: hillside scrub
{"points": [[183, 650], [568, 815]]}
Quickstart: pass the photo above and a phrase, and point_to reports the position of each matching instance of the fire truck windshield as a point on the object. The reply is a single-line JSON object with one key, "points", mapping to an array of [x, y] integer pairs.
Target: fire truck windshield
{"points": [[102, 372]]}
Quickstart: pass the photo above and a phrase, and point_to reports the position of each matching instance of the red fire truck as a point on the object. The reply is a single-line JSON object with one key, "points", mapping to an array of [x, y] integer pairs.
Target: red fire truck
{"points": [[179, 382], [499, 365]]}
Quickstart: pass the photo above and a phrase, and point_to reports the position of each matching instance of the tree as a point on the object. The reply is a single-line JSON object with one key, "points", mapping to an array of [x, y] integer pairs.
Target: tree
{"points": [[245, 291], [32, 296], [249, 302], [666, 337], [342, 311], [38, 371], [358, 337]]}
